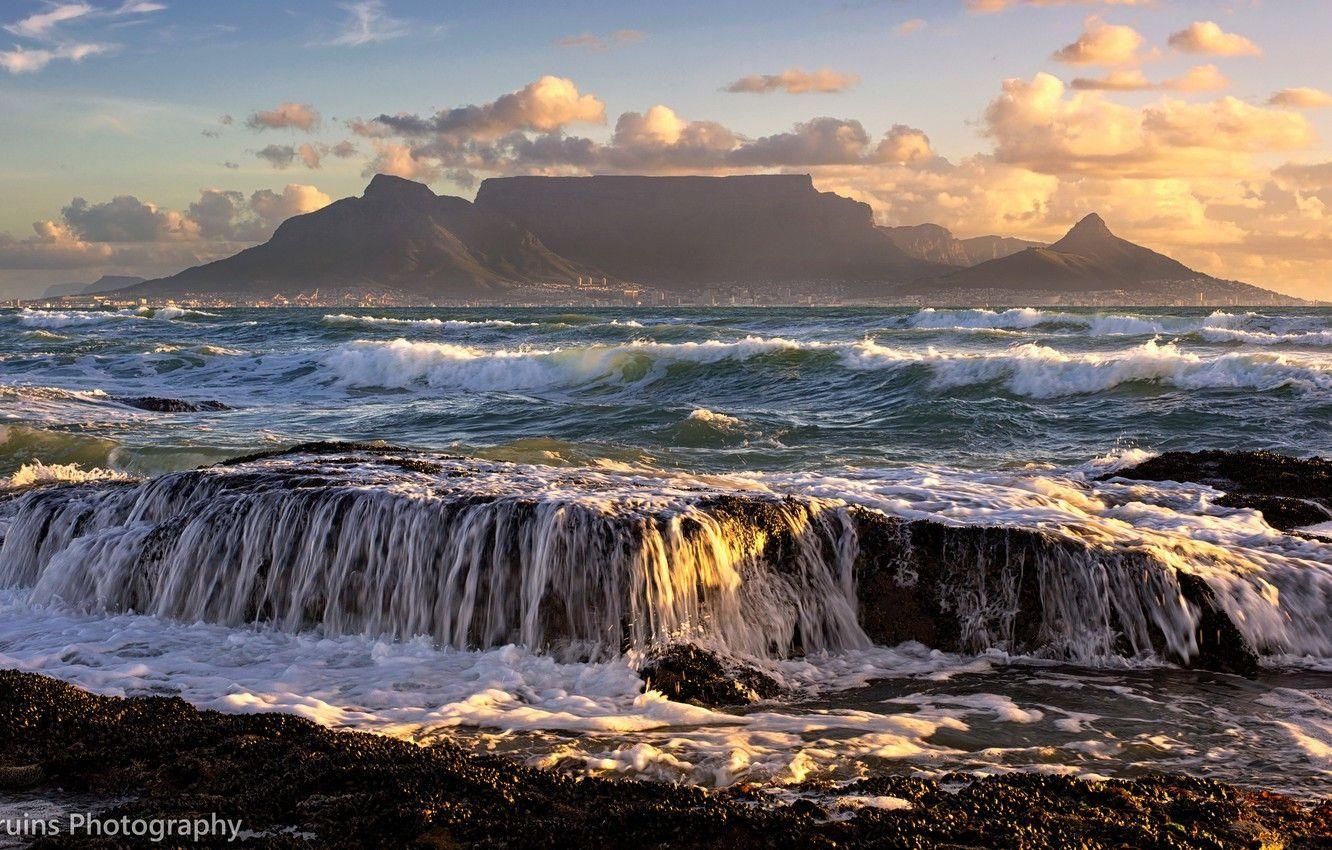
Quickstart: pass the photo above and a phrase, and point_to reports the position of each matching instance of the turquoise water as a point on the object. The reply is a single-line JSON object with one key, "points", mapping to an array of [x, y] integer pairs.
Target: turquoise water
{"points": [[693, 389]]}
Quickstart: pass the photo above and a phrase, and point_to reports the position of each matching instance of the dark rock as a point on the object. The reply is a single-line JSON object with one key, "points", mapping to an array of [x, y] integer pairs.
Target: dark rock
{"points": [[172, 405], [687, 673], [1221, 647], [297, 785], [1290, 492]]}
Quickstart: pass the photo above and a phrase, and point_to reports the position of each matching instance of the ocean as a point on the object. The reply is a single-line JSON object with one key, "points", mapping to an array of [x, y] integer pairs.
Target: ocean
{"points": [[609, 449]]}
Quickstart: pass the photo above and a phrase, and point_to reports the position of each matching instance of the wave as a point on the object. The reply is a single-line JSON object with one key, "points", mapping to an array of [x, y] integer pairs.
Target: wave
{"points": [[382, 321], [71, 318], [1026, 318], [37, 472], [1316, 339], [401, 363], [33, 318], [1039, 371]]}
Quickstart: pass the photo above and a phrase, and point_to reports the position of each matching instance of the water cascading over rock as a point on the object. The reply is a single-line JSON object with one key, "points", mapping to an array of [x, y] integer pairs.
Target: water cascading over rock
{"points": [[585, 563]]}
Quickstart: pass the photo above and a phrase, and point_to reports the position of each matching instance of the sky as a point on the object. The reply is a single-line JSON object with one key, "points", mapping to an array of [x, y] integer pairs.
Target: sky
{"points": [[144, 136]]}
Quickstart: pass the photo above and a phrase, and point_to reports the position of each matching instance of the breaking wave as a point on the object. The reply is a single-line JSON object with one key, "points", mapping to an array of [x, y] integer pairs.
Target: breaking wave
{"points": [[387, 321], [1039, 371]]}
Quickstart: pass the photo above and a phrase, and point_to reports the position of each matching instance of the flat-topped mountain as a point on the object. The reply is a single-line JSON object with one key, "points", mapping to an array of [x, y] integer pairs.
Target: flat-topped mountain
{"points": [[550, 238], [1090, 258], [397, 235], [686, 232], [936, 243]]}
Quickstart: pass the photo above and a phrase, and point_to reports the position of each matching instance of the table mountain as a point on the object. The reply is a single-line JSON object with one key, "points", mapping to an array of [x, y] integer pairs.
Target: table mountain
{"points": [[687, 232]]}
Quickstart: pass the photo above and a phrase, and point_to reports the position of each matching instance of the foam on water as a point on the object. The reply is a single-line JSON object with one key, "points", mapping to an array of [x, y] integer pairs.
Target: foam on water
{"points": [[1041, 371], [869, 418]]}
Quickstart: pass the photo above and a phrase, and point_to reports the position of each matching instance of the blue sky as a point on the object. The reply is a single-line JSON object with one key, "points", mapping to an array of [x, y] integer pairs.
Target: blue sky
{"points": [[106, 99]]}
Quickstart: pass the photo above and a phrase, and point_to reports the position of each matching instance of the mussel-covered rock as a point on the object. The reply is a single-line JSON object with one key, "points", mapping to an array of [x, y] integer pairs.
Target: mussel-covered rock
{"points": [[688, 673], [172, 405], [1289, 492]]}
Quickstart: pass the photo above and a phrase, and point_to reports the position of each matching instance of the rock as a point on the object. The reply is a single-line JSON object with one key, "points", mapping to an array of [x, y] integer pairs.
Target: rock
{"points": [[294, 784], [1290, 492], [687, 673], [1221, 647], [172, 405], [691, 232]]}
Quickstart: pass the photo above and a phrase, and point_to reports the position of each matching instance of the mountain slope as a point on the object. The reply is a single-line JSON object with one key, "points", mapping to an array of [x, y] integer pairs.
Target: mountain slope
{"points": [[687, 232], [1088, 258], [397, 235], [105, 283], [937, 244]]}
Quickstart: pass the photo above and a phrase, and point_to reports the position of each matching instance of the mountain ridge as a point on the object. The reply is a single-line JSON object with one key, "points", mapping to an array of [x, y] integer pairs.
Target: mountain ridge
{"points": [[572, 239]]}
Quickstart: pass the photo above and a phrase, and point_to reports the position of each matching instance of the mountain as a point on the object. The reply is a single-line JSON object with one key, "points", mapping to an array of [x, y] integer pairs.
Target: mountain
{"points": [[937, 244], [105, 283], [1092, 259], [688, 232], [398, 235]]}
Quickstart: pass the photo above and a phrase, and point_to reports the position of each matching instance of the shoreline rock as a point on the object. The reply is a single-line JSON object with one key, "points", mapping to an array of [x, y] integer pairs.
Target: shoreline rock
{"points": [[296, 785], [687, 673], [1289, 492]]}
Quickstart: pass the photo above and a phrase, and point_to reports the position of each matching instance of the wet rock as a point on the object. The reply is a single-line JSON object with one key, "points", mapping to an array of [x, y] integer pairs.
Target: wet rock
{"points": [[1221, 647], [172, 405], [294, 784], [1290, 492], [687, 673]]}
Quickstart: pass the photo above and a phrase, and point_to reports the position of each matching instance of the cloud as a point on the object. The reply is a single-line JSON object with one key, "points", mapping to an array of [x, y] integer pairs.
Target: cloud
{"points": [[548, 104], [1207, 37], [985, 6], [1301, 98], [139, 7], [1102, 44], [344, 149], [45, 28], [126, 233], [23, 61], [903, 144], [41, 24], [593, 42], [1305, 176], [367, 22], [908, 27], [124, 219], [300, 116], [398, 160], [278, 156], [1036, 125], [795, 81], [1197, 79], [310, 154]]}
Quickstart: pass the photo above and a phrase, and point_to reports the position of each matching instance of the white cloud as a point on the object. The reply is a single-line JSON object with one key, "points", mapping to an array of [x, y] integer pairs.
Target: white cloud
{"points": [[1207, 37], [368, 22], [1301, 98], [42, 24], [593, 42], [796, 81], [286, 115], [1001, 5], [23, 61], [45, 29], [548, 104], [1197, 79], [1102, 44]]}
